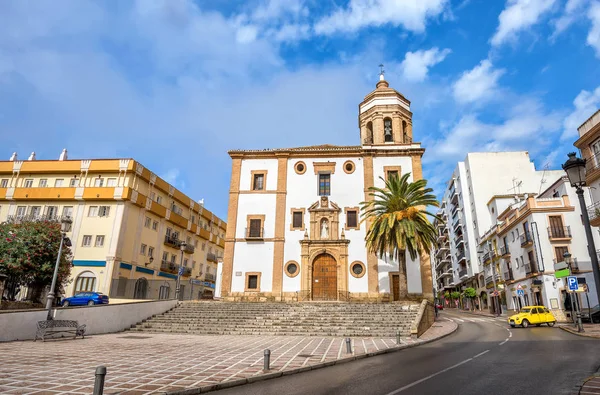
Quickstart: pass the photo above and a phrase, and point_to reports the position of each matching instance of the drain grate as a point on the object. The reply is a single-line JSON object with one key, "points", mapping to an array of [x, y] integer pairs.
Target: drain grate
{"points": [[135, 337], [305, 355]]}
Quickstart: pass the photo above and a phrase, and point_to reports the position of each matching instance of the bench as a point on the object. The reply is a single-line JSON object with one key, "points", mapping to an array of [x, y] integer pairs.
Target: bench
{"points": [[53, 327]]}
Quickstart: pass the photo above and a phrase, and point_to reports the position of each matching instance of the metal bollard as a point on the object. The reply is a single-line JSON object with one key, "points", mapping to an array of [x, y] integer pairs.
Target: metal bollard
{"points": [[348, 346], [99, 383], [398, 341], [267, 359]]}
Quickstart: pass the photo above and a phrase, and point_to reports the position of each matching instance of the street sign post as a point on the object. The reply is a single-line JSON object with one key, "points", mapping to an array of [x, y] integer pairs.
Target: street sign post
{"points": [[562, 273], [572, 282]]}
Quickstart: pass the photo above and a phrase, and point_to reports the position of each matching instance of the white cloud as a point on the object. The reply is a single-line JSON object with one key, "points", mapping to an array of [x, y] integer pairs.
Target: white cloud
{"points": [[246, 34], [586, 104], [410, 14], [572, 10], [593, 38], [415, 65], [477, 84], [276, 9], [519, 15]]}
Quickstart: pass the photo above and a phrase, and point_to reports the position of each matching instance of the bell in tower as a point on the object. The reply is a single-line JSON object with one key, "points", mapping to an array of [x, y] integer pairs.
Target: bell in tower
{"points": [[384, 116]]}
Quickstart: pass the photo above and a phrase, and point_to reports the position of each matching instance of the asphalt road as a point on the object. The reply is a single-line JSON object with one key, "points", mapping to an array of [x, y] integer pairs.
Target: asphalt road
{"points": [[485, 356]]}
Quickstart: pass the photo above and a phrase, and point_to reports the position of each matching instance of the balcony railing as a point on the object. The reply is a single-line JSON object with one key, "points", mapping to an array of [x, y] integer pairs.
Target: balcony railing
{"points": [[172, 241], [189, 248], [169, 267], [210, 277], [35, 218], [460, 256], [504, 250], [530, 267], [594, 211], [559, 232], [254, 233], [574, 264], [508, 276], [525, 239], [592, 164], [211, 257], [489, 279], [462, 273]]}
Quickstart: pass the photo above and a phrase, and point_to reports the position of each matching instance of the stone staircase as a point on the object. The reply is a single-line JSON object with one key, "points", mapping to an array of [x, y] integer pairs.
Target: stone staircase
{"points": [[292, 319]]}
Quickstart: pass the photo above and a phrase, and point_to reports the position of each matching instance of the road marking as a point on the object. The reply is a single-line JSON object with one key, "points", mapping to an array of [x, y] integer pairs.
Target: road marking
{"points": [[460, 320], [429, 377], [509, 334], [503, 342], [481, 353], [449, 319]]}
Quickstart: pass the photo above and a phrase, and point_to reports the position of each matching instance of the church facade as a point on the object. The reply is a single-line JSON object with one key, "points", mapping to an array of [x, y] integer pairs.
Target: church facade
{"points": [[294, 223]]}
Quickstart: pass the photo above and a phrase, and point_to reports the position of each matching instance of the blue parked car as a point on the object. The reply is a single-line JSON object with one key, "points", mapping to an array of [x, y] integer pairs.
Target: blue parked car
{"points": [[85, 298]]}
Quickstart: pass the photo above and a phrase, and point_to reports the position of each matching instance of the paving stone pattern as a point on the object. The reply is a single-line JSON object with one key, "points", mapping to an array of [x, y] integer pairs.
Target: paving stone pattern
{"points": [[292, 319]]}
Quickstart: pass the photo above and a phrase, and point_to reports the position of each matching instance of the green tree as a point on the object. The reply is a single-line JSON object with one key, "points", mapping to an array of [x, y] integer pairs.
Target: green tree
{"points": [[28, 253], [455, 295], [399, 221], [470, 293]]}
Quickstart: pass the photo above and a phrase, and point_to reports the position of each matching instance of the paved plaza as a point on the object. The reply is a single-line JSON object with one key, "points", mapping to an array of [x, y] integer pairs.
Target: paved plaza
{"points": [[158, 363]]}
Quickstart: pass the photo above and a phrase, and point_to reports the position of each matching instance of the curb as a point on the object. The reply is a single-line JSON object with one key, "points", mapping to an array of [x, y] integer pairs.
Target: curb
{"points": [[272, 375], [566, 329]]}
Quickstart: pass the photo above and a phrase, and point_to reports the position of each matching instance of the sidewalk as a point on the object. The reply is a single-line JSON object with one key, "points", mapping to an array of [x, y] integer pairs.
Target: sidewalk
{"points": [[591, 386], [162, 363], [590, 330]]}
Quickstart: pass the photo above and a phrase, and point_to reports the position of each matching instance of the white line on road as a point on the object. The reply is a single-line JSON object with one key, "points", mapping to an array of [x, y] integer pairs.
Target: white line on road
{"points": [[503, 342], [480, 354], [429, 377], [509, 334], [460, 320], [449, 319]]}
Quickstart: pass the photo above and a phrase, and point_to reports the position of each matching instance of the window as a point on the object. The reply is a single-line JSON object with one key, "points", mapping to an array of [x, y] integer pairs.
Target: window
{"points": [[369, 139], [35, 211], [349, 167], [155, 225], [300, 167], [43, 183], [392, 172], [203, 246], [111, 182], [405, 133], [297, 219], [158, 199], [193, 264], [255, 228], [58, 183], [148, 222], [168, 232], [292, 269], [193, 219], [387, 130], [324, 184], [87, 241], [150, 252], [99, 182], [185, 262], [258, 181], [173, 258], [4, 183], [73, 182], [252, 282], [99, 241], [352, 218], [51, 211], [93, 211], [21, 211], [165, 257], [357, 269], [143, 249], [28, 183], [560, 252], [85, 282], [67, 211], [103, 211]]}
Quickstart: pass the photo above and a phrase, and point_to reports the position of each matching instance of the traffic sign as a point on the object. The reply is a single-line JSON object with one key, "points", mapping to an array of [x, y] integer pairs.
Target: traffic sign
{"points": [[562, 273], [519, 286], [520, 292], [181, 271], [573, 284]]}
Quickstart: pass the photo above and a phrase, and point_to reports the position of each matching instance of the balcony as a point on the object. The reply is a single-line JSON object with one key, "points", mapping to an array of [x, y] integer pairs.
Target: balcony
{"points": [[463, 273], [594, 213], [460, 256], [508, 276], [592, 168], [211, 257], [530, 267], [490, 279], [171, 241], [559, 232], [526, 239], [441, 250], [574, 264], [189, 249], [35, 218], [187, 271], [254, 233], [168, 267], [504, 250], [210, 277]]}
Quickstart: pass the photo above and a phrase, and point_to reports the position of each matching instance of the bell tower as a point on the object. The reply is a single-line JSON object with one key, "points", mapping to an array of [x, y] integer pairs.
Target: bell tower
{"points": [[384, 116]]}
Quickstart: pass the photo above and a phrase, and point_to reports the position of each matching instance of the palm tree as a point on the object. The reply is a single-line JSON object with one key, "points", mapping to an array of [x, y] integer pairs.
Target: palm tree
{"points": [[399, 221]]}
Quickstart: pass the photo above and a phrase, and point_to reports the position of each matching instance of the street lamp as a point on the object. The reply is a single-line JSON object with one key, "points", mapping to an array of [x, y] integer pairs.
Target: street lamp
{"points": [[575, 169], [182, 246], [65, 226]]}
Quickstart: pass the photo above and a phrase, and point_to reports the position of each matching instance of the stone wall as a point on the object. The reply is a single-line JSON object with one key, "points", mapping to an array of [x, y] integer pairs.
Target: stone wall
{"points": [[424, 320]]}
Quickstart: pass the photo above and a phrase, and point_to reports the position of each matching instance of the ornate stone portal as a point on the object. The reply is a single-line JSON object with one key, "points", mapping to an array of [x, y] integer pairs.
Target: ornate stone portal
{"points": [[324, 237]]}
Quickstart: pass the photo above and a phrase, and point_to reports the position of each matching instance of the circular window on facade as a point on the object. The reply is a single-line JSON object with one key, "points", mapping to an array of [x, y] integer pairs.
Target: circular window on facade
{"points": [[357, 269], [349, 167], [300, 167], [292, 269]]}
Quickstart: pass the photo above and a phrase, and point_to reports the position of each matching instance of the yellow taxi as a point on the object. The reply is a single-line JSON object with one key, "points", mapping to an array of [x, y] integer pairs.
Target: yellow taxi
{"points": [[532, 315]]}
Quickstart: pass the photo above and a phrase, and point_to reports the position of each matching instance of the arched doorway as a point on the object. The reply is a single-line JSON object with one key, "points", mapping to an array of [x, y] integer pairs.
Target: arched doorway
{"points": [[86, 282], [324, 284], [141, 289]]}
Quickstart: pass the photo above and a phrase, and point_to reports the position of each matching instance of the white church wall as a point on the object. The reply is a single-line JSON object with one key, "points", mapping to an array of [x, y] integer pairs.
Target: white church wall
{"points": [[249, 165], [256, 204], [253, 257], [405, 163]]}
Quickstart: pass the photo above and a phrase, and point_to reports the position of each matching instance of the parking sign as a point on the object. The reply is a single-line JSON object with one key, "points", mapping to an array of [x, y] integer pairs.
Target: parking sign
{"points": [[572, 281]]}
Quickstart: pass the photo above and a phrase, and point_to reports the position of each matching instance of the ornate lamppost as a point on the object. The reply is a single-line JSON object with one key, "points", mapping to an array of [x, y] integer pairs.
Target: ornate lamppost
{"points": [[65, 226], [182, 246]]}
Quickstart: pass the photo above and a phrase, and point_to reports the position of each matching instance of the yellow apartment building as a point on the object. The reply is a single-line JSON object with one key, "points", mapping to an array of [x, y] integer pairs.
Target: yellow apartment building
{"points": [[128, 225]]}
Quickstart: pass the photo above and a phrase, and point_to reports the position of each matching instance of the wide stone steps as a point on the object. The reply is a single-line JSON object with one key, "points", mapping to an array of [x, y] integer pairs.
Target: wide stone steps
{"points": [[296, 319]]}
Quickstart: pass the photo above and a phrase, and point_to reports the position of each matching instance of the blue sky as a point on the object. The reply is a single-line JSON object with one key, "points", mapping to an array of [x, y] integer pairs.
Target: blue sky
{"points": [[177, 83]]}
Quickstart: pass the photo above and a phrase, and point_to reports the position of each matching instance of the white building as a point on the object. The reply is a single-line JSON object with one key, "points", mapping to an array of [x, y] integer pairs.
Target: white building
{"points": [[530, 235], [294, 230], [474, 182]]}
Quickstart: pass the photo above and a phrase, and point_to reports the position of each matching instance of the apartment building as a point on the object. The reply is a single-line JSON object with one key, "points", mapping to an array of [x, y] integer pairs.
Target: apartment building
{"points": [[465, 214], [529, 236], [589, 145], [128, 225]]}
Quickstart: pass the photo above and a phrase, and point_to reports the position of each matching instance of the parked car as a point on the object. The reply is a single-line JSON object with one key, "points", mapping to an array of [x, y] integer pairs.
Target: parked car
{"points": [[532, 315], [85, 298]]}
